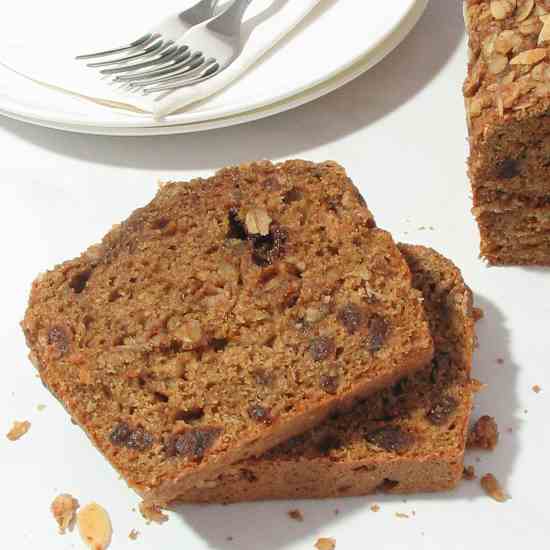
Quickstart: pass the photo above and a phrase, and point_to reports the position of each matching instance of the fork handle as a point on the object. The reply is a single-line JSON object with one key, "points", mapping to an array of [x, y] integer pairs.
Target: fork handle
{"points": [[233, 15]]}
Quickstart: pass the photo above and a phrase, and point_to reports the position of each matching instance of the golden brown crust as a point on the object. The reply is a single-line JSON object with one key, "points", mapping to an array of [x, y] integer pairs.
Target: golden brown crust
{"points": [[409, 438], [224, 317]]}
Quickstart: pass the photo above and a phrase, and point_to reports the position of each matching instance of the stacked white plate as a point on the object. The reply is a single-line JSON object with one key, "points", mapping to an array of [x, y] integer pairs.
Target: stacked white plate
{"points": [[337, 42]]}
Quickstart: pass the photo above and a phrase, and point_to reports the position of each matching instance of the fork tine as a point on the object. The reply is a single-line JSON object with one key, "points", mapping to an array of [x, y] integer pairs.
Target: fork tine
{"points": [[165, 56], [140, 42], [193, 66], [206, 74], [155, 48], [174, 65]]}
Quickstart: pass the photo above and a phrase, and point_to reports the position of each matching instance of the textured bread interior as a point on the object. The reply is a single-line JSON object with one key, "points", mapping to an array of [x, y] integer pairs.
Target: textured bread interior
{"points": [[224, 317], [407, 438]]}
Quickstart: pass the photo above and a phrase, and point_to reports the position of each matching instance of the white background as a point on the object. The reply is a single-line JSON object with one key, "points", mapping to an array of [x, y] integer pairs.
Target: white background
{"points": [[400, 132]]}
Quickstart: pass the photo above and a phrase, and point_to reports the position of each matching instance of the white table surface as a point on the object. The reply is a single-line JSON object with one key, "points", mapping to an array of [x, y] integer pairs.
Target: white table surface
{"points": [[400, 132]]}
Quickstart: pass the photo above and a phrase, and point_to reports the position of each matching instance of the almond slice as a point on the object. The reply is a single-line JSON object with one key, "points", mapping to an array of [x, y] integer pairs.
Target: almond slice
{"points": [[529, 57], [94, 526]]}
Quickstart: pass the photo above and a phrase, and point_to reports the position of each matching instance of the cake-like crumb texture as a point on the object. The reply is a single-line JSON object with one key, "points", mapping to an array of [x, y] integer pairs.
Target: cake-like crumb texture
{"points": [[296, 515], [507, 96], [133, 534], [408, 438], [484, 434], [64, 509], [226, 316], [469, 473], [18, 430], [492, 487]]}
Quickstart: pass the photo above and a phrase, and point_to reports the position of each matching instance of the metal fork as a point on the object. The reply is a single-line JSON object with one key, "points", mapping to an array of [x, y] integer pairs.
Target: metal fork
{"points": [[203, 52], [158, 45]]}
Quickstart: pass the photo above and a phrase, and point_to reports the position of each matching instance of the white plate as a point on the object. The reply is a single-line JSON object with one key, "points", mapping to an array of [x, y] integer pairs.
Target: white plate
{"points": [[315, 53]]}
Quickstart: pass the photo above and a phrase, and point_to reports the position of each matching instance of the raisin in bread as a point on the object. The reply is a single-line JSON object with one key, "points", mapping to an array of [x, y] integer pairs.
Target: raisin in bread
{"points": [[409, 438], [225, 317]]}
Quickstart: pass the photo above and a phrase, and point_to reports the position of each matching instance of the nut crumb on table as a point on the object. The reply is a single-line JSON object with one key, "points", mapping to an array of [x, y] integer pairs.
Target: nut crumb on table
{"points": [[133, 534], [500, 361], [492, 487], [375, 508], [477, 386], [469, 473], [94, 526], [536, 388], [484, 434], [64, 509], [325, 544], [296, 515], [479, 314], [152, 513], [19, 429]]}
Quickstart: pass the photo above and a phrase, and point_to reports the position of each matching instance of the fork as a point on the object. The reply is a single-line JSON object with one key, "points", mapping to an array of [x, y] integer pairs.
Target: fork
{"points": [[158, 43], [203, 52]]}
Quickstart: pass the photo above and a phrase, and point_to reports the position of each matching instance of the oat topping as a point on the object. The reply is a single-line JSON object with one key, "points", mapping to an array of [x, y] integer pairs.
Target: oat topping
{"points": [[94, 526], [64, 509], [18, 430], [492, 487]]}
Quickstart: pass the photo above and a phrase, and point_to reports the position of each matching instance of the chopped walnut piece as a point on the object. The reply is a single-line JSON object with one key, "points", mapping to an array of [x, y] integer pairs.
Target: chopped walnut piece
{"points": [[492, 487], [19, 429], [94, 526], [469, 473], [152, 513], [325, 544], [133, 534], [484, 434], [296, 515], [64, 508]]}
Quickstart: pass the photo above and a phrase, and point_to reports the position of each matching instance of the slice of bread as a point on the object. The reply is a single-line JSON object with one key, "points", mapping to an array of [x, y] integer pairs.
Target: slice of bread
{"points": [[228, 315], [410, 438]]}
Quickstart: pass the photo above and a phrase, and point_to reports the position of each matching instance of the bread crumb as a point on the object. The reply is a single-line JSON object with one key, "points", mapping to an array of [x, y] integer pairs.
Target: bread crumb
{"points": [[401, 515], [375, 508], [133, 534], [336, 512], [40, 407], [64, 509], [229, 538], [500, 361], [537, 388], [484, 434], [94, 526], [325, 544], [478, 314], [477, 386], [152, 513], [19, 429], [469, 473], [296, 515], [492, 487]]}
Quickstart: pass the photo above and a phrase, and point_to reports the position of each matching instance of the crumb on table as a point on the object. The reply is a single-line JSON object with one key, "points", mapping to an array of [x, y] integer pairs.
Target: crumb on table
{"points": [[133, 534], [401, 515], [40, 407], [500, 361], [536, 388], [325, 544], [375, 508], [152, 513], [296, 515], [478, 314], [492, 487], [469, 473], [64, 509], [484, 434], [19, 429]]}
